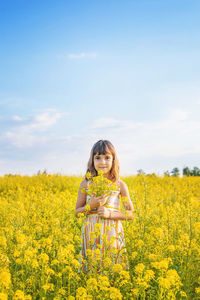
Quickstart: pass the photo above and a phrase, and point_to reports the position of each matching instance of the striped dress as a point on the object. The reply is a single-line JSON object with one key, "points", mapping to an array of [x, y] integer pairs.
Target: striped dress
{"points": [[115, 230]]}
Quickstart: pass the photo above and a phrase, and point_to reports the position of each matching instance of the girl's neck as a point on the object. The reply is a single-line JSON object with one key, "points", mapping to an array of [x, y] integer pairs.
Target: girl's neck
{"points": [[108, 177]]}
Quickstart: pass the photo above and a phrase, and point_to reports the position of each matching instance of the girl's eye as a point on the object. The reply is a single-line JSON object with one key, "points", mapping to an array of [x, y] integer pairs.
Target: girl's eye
{"points": [[107, 157]]}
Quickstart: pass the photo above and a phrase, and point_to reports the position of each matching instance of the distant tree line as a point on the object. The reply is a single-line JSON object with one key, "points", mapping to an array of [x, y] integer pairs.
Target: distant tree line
{"points": [[176, 172], [43, 173], [186, 171]]}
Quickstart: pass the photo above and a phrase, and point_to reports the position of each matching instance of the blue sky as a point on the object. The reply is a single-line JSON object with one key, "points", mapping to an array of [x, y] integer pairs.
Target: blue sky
{"points": [[74, 72]]}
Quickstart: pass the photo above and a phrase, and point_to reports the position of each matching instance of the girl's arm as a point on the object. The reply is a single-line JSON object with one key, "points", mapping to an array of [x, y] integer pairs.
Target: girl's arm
{"points": [[81, 199], [128, 205]]}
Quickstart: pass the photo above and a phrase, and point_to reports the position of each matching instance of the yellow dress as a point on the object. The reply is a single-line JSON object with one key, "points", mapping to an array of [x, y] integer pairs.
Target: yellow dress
{"points": [[115, 230]]}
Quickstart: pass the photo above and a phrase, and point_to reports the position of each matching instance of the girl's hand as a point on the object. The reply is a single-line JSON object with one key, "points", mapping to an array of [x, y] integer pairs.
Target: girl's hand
{"points": [[96, 202], [103, 212]]}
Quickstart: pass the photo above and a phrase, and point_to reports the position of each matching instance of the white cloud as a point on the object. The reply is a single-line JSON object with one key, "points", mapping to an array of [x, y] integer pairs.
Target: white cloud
{"points": [[81, 55], [175, 136], [111, 123], [2, 162], [104, 123], [29, 132], [178, 115], [17, 118], [43, 121], [152, 146]]}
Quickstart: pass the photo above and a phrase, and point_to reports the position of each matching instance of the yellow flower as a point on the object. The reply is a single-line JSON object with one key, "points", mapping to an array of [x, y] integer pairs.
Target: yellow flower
{"points": [[183, 294], [99, 185], [92, 285], [197, 290], [135, 292], [62, 291], [21, 238], [49, 271], [117, 268], [103, 282], [28, 255], [164, 283], [18, 261], [87, 208], [81, 293], [5, 278], [163, 264], [107, 262], [44, 258], [35, 264], [112, 242], [140, 244], [3, 296], [96, 254], [19, 295], [16, 253], [88, 252], [139, 268], [133, 255], [75, 263], [197, 228], [108, 228], [98, 226], [80, 215], [153, 257], [141, 283], [171, 248], [149, 274], [54, 262], [115, 294], [48, 286], [174, 278]]}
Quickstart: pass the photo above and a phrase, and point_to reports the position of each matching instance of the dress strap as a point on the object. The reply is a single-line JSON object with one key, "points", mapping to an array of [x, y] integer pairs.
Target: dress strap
{"points": [[118, 183], [88, 182]]}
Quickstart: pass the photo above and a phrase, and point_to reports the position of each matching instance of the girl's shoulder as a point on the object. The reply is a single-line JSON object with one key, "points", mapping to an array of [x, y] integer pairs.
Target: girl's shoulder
{"points": [[123, 185], [84, 183]]}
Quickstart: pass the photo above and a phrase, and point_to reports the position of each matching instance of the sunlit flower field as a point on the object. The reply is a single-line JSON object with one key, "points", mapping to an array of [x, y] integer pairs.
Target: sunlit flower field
{"points": [[40, 240]]}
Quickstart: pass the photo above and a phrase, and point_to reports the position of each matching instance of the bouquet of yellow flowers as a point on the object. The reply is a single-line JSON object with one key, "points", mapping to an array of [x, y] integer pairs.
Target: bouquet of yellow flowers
{"points": [[99, 185]]}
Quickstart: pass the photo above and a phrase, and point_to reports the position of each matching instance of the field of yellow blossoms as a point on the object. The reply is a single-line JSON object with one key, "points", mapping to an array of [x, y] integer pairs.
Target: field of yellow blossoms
{"points": [[40, 241]]}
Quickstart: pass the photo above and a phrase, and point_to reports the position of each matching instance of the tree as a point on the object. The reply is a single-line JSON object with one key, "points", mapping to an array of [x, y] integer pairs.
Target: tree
{"points": [[186, 171], [44, 172], [140, 171], [195, 171], [166, 173], [175, 172]]}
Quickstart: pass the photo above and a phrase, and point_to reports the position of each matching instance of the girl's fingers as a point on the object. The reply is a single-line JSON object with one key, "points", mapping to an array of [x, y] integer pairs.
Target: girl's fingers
{"points": [[101, 197]]}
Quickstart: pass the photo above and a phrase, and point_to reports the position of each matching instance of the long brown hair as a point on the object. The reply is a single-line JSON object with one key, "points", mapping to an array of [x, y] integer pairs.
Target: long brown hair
{"points": [[103, 147]]}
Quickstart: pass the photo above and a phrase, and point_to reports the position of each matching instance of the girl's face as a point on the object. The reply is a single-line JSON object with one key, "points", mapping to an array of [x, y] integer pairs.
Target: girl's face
{"points": [[103, 162]]}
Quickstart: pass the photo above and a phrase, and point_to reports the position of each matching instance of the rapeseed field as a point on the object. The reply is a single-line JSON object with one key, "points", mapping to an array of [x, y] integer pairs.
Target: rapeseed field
{"points": [[40, 240]]}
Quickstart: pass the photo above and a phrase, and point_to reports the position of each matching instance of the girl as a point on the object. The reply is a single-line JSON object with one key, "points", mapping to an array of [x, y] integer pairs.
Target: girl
{"points": [[103, 157]]}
